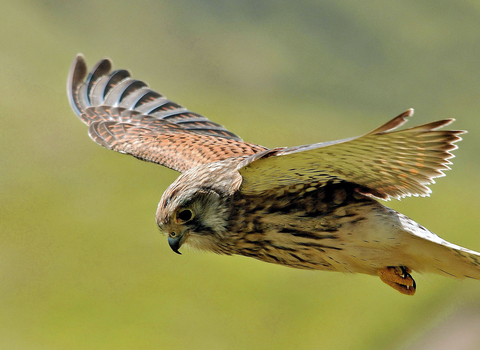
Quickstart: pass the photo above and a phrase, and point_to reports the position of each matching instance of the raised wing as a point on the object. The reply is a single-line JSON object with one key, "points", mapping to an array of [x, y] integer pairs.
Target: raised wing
{"points": [[383, 163], [125, 115]]}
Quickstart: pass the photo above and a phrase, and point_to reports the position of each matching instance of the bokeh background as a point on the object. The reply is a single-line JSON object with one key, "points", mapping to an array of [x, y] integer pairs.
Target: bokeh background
{"points": [[82, 264]]}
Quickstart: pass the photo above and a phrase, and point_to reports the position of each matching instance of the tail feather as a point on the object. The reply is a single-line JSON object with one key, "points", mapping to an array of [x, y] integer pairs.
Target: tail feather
{"points": [[464, 263], [430, 253]]}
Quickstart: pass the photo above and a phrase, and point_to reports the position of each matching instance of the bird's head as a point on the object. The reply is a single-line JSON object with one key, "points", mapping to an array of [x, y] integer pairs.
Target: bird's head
{"points": [[194, 210]]}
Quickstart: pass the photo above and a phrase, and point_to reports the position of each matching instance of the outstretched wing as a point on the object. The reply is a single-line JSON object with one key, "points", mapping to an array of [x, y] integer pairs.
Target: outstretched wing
{"points": [[125, 115], [383, 163]]}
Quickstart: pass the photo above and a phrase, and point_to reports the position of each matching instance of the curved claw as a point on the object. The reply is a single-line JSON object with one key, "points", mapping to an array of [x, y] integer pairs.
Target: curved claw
{"points": [[399, 278]]}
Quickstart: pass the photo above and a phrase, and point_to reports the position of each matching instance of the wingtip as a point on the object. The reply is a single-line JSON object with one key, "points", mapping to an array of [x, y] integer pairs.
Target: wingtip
{"points": [[103, 67], [396, 122], [79, 56], [407, 114], [78, 69], [77, 73]]}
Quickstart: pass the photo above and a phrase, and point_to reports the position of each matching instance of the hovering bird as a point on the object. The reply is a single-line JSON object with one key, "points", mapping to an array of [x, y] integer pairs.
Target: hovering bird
{"points": [[309, 207]]}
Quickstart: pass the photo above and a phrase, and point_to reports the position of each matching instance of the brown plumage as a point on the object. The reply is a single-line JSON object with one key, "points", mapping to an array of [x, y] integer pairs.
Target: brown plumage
{"points": [[124, 115], [312, 206]]}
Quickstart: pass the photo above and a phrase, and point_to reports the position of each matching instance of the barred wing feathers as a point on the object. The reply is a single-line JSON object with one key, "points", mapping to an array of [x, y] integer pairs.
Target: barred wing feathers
{"points": [[125, 115], [384, 163]]}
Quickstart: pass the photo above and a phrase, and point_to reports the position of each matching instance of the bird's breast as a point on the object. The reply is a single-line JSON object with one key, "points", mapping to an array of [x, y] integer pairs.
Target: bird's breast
{"points": [[302, 226]]}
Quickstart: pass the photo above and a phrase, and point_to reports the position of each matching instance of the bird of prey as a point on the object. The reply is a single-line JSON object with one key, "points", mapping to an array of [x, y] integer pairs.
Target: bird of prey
{"points": [[309, 207]]}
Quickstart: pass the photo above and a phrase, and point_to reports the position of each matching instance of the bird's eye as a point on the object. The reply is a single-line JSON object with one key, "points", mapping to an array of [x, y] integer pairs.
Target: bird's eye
{"points": [[185, 215]]}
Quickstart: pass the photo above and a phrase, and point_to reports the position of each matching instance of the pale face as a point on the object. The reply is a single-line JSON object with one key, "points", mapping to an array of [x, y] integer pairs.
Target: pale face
{"points": [[195, 217]]}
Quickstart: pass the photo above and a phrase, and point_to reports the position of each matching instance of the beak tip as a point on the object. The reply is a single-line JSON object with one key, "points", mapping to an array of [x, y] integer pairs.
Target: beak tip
{"points": [[175, 244]]}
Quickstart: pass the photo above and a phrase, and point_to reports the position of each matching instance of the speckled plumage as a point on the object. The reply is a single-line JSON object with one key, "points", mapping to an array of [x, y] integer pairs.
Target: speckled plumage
{"points": [[310, 207]]}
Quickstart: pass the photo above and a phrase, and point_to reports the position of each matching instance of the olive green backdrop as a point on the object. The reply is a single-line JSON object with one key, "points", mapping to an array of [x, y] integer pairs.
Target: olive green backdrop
{"points": [[82, 264]]}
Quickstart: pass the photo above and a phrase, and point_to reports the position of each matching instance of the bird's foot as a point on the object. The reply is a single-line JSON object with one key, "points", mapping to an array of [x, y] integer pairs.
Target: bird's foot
{"points": [[399, 278]]}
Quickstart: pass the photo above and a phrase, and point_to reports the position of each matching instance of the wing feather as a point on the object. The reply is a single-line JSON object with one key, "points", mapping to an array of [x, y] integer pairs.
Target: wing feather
{"points": [[125, 115], [384, 163]]}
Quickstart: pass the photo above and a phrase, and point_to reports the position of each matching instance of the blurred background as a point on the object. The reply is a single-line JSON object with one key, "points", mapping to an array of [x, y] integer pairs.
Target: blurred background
{"points": [[82, 263]]}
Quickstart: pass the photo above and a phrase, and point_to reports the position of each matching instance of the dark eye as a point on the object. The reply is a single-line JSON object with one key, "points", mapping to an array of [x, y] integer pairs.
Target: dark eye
{"points": [[185, 215]]}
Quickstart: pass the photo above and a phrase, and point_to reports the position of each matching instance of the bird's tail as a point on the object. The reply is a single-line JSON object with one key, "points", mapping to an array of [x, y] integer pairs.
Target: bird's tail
{"points": [[435, 255], [456, 261]]}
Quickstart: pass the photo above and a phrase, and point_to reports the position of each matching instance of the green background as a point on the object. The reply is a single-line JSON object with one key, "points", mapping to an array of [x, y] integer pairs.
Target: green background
{"points": [[82, 264]]}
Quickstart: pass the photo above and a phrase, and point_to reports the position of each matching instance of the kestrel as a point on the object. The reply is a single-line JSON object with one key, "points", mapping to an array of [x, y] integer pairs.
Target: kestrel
{"points": [[309, 207]]}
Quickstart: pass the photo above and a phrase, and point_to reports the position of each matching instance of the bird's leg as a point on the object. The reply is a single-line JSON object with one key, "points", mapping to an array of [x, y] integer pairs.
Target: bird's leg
{"points": [[399, 278]]}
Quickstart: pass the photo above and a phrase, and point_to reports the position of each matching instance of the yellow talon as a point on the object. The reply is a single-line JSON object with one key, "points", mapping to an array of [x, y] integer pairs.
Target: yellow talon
{"points": [[399, 278]]}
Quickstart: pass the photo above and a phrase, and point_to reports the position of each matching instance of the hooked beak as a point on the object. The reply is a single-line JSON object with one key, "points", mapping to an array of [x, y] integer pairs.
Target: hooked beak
{"points": [[176, 242]]}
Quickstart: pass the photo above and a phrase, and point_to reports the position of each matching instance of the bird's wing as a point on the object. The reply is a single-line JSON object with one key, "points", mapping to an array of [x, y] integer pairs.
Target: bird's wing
{"points": [[383, 163], [125, 115]]}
